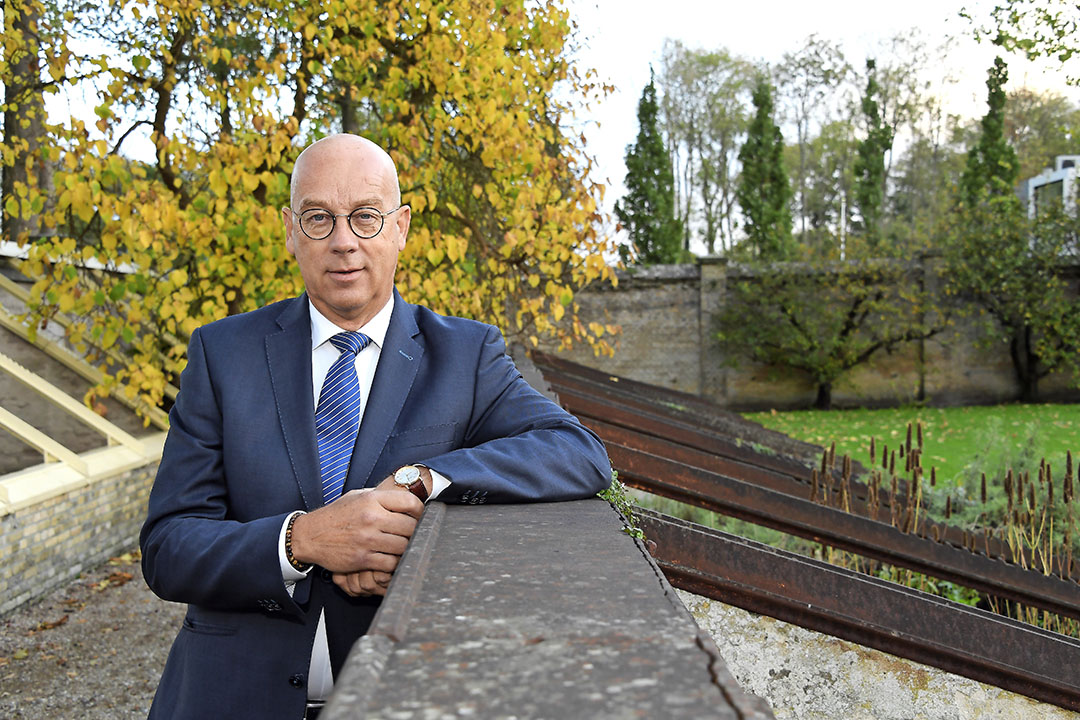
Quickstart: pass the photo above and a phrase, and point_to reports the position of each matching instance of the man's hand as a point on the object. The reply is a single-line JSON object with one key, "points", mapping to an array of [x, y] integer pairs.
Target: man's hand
{"points": [[363, 583], [363, 530]]}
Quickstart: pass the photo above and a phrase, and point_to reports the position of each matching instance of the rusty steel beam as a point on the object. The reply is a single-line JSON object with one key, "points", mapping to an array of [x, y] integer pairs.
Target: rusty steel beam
{"points": [[649, 422], [871, 612], [676, 440], [847, 531]]}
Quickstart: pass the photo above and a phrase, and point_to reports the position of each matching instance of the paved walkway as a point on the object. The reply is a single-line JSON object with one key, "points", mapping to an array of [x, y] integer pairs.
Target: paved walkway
{"points": [[92, 650]]}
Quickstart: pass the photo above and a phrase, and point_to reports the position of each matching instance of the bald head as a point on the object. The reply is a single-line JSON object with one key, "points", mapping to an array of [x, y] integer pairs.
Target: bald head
{"points": [[346, 148], [348, 275]]}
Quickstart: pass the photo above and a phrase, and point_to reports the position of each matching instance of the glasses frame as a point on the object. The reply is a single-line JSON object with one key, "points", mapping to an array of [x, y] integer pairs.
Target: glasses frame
{"points": [[333, 224]]}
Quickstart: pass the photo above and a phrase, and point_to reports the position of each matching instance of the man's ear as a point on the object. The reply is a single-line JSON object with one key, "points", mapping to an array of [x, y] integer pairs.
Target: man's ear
{"points": [[287, 221], [404, 220]]}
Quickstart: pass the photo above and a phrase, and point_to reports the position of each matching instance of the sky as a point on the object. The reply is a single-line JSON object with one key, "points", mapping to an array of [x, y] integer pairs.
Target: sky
{"points": [[621, 38]]}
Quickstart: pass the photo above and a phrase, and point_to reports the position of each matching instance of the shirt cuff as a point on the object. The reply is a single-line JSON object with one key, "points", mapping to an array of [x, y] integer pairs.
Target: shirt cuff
{"points": [[438, 484], [288, 573]]}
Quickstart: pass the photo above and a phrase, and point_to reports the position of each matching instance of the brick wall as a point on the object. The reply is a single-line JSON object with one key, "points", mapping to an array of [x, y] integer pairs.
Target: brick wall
{"points": [[667, 319], [48, 543]]}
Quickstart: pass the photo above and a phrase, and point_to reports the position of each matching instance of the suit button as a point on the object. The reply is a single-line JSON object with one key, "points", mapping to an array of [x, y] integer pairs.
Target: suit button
{"points": [[325, 575], [297, 681]]}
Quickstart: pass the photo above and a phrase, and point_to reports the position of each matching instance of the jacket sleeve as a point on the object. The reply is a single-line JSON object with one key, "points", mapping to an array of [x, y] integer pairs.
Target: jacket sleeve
{"points": [[193, 548], [519, 446]]}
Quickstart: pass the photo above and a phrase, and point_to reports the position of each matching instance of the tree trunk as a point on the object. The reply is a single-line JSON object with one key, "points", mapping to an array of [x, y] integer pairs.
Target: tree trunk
{"points": [[24, 117], [824, 396], [347, 106], [1025, 364]]}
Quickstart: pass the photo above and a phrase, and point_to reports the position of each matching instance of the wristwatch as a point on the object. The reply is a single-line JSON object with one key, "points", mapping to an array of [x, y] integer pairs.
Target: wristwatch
{"points": [[408, 477]]}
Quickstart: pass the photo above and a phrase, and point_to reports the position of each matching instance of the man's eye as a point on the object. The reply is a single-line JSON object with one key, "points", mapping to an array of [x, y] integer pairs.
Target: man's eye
{"points": [[319, 217], [364, 215]]}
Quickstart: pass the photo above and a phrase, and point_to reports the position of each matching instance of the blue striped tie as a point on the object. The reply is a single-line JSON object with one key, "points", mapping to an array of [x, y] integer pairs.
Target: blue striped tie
{"points": [[337, 418]]}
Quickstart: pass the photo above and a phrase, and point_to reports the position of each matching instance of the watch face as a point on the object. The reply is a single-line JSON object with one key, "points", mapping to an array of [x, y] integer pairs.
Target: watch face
{"points": [[407, 475]]}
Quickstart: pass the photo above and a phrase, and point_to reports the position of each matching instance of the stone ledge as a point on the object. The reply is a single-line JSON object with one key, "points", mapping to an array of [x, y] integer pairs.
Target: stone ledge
{"points": [[541, 610]]}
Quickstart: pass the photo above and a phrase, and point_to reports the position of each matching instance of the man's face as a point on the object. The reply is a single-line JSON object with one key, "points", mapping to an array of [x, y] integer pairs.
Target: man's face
{"points": [[348, 279]]}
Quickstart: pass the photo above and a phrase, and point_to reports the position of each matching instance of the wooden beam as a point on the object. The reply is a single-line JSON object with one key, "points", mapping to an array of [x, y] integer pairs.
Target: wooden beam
{"points": [[77, 365], [67, 403], [34, 437]]}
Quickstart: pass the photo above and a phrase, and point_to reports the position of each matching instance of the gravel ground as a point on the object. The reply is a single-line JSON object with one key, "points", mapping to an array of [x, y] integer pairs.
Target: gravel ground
{"points": [[93, 649]]}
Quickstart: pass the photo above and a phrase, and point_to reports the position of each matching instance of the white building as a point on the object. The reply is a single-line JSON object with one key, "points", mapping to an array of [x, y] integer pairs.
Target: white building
{"points": [[1056, 185]]}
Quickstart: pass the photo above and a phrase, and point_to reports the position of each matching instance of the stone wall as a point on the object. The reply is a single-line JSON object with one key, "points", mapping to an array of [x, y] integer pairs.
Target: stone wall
{"points": [[806, 675], [667, 315], [45, 544]]}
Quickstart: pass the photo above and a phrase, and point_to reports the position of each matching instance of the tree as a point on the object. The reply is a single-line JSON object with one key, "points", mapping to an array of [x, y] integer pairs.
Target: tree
{"points": [[1008, 265], [704, 114], [808, 78], [648, 208], [992, 166], [1036, 28], [821, 320], [870, 161], [30, 48], [461, 93], [827, 200], [1040, 126], [763, 191]]}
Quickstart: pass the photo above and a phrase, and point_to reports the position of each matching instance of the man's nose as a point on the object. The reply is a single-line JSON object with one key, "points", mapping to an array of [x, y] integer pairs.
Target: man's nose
{"points": [[342, 239]]}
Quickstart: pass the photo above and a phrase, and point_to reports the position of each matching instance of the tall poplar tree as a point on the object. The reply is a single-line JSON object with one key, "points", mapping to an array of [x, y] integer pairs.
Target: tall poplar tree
{"points": [[647, 210], [870, 160], [763, 191], [992, 165], [1008, 265]]}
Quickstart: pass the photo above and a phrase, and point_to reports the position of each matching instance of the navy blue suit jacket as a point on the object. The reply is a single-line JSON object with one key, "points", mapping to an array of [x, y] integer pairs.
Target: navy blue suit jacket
{"points": [[241, 455]]}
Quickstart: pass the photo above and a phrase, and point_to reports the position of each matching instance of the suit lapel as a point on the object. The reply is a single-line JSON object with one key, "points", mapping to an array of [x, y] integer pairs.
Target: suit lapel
{"points": [[288, 354], [399, 361]]}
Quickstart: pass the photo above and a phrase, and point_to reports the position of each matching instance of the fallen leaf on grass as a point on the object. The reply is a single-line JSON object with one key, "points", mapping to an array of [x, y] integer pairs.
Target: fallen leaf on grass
{"points": [[21, 654]]}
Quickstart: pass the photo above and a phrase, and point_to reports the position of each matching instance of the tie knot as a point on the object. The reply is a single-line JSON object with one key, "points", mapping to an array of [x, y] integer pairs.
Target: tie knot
{"points": [[352, 341]]}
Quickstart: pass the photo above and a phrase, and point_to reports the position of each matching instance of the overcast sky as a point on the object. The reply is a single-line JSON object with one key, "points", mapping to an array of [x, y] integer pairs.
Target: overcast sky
{"points": [[622, 37]]}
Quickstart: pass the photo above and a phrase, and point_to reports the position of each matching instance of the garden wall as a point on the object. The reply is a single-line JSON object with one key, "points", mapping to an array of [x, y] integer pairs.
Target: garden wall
{"points": [[667, 314], [50, 540]]}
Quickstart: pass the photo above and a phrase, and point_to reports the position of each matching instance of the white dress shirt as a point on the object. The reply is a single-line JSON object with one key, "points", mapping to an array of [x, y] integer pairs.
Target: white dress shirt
{"points": [[323, 355]]}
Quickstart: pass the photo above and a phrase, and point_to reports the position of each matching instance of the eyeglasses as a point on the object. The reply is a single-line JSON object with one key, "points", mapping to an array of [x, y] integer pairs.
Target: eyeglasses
{"points": [[365, 222]]}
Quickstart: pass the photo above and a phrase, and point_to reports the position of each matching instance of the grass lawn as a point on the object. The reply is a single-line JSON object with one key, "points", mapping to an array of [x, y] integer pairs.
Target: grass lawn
{"points": [[960, 442]]}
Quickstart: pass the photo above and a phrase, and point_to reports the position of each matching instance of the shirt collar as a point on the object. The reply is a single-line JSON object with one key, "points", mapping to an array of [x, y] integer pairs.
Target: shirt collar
{"points": [[375, 328]]}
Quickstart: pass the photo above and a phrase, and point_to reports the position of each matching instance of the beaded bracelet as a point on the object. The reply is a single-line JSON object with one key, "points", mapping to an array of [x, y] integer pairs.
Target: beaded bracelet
{"points": [[301, 567]]}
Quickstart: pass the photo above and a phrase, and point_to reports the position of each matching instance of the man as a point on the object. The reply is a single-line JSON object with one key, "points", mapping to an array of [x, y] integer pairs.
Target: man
{"points": [[274, 516]]}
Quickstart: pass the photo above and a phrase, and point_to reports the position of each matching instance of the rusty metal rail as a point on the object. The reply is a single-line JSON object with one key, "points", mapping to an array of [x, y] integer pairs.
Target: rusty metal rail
{"points": [[847, 531], [623, 413], [671, 405], [871, 612]]}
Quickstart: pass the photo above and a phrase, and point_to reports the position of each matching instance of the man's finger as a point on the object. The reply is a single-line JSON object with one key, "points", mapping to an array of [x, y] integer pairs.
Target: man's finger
{"points": [[398, 523], [401, 501], [359, 584], [390, 544]]}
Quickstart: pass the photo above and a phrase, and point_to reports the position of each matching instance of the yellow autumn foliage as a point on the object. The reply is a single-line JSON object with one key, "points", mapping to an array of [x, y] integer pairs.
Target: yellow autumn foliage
{"points": [[474, 99]]}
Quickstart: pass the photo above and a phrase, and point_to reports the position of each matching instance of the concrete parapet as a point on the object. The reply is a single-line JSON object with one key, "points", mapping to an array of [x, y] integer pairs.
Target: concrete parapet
{"points": [[531, 611]]}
